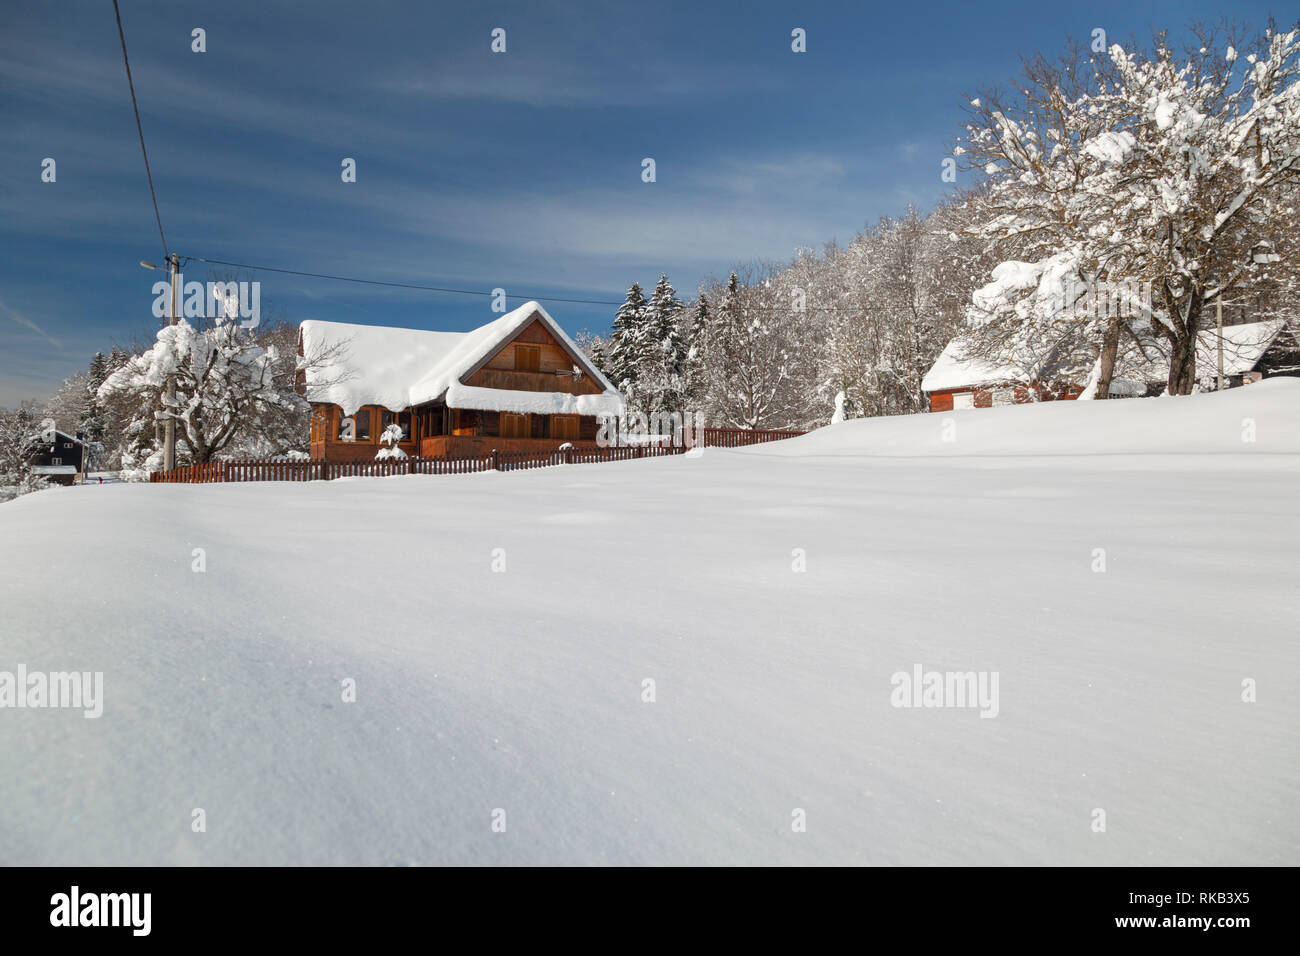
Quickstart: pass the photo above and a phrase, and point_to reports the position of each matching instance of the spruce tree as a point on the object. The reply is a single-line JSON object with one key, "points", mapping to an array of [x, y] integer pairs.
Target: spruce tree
{"points": [[666, 354], [695, 365], [698, 330], [627, 347], [596, 353], [664, 321], [92, 421]]}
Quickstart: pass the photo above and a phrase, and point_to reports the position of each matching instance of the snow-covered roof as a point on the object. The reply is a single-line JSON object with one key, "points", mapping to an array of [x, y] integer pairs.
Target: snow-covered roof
{"points": [[1243, 347], [41, 438], [955, 369], [54, 469], [400, 368]]}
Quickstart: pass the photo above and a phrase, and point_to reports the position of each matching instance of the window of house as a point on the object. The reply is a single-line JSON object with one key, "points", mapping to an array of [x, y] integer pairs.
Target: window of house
{"points": [[963, 400], [528, 358], [564, 426], [355, 427], [67, 444], [56, 461], [514, 425], [466, 421], [401, 419]]}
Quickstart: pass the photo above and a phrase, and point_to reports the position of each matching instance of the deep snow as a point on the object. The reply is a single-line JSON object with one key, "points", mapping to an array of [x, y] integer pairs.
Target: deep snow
{"points": [[522, 690]]}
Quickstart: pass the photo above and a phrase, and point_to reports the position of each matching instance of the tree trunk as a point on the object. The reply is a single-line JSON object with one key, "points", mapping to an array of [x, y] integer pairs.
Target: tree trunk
{"points": [[1182, 365], [1109, 350], [1182, 352]]}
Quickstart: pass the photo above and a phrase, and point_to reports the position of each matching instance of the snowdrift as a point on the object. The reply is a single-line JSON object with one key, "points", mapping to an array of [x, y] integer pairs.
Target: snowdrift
{"points": [[499, 630], [1263, 418]]}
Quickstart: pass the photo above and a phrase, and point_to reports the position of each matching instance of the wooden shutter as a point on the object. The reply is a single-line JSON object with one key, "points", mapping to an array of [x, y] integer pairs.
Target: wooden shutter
{"points": [[564, 427], [514, 425], [528, 358]]}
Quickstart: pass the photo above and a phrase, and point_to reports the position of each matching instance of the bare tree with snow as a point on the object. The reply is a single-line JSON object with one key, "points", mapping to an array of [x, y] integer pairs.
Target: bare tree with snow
{"points": [[227, 381], [1156, 166]]}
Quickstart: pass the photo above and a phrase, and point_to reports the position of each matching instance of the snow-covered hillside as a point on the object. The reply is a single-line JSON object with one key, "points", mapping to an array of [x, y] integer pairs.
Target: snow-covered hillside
{"points": [[959, 542]]}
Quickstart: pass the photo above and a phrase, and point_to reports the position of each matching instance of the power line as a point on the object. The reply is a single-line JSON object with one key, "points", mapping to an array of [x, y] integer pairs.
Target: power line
{"points": [[139, 129], [480, 292], [399, 285]]}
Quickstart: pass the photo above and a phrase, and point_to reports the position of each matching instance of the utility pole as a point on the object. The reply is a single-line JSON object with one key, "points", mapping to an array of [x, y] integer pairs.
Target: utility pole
{"points": [[169, 391], [169, 424], [1218, 311]]}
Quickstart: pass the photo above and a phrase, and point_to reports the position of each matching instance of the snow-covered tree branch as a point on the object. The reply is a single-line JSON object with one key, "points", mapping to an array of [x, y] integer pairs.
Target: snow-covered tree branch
{"points": [[1162, 168]]}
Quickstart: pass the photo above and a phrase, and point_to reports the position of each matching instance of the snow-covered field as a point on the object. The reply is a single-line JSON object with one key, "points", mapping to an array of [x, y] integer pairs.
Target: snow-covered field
{"points": [[522, 689]]}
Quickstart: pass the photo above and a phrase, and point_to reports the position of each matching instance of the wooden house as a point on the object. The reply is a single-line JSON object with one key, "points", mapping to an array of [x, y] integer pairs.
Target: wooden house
{"points": [[518, 383], [58, 457], [958, 380]]}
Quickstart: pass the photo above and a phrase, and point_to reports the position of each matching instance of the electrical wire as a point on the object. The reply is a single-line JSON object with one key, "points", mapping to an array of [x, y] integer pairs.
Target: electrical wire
{"points": [[478, 292], [139, 128], [398, 285]]}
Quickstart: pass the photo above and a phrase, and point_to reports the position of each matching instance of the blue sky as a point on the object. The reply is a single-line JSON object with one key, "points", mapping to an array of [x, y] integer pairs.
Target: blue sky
{"points": [[474, 170]]}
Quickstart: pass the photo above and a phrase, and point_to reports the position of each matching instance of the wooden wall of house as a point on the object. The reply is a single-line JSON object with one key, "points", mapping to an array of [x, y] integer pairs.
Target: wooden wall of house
{"points": [[472, 434], [325, 443], [943, 401], [462, 446], [511, 369], [470, 423]]}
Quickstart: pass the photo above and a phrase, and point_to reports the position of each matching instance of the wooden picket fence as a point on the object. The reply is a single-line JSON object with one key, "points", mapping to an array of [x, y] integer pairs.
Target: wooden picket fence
{"points": [[316, 470], [740, 437]]}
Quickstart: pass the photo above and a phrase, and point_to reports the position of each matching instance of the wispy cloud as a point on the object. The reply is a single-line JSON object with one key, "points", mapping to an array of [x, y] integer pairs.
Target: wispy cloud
{"points": [[22, 320], [570, 84]]}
